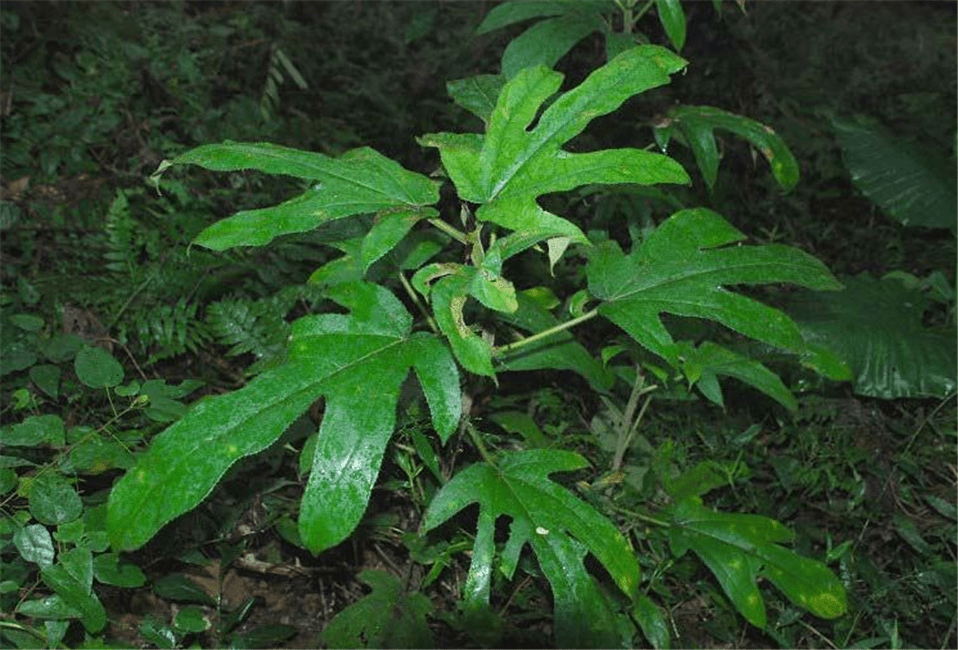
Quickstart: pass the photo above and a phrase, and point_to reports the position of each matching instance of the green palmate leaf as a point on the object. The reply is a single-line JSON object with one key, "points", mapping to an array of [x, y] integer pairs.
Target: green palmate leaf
{"points": [[739, 549], [559, 351], [876, 326], [387, 618], [358, 361], [914, 186], [510, 166], [703, 364], [697, 124], [680, 269], [558, 526], [358, 182]]}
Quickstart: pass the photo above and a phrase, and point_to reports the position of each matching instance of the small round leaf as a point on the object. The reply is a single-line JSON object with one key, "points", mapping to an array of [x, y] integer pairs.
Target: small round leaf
{"points": [[97, 368], [53, 501], [35, 544]]}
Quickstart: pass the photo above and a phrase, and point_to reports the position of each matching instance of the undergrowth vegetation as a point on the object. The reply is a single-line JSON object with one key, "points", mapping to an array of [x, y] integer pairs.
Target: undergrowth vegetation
{"points": [[572, 324]]}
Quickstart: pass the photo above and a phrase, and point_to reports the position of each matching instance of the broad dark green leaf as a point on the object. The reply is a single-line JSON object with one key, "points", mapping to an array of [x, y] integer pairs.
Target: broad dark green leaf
{"points": [[876, 326], [652, 622], [914, 186], [181, 588], [739, 549], [78, 562], [191, 619], [109, 569], [684, 267], [697, 124], [509, 13], [49, 607], [35, 431], [47, 378], [558, 526], [358, 361], [360, 181]]}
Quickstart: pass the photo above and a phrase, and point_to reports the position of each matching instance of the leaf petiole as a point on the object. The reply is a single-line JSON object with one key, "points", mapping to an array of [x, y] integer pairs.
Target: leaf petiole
{"points": [[505, 349]]}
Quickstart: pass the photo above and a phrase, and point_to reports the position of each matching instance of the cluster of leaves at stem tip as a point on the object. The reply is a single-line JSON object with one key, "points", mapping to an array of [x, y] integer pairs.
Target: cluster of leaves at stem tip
{"points": [[359, 360]]}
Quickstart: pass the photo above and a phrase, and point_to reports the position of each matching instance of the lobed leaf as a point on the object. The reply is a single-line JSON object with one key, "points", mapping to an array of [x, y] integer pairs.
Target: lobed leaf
{"points": [[737, 547], [508, 168], [358, 361], [558, 526], [682, 268], [698, 123], [386, 618], [360, 181], [703, 363]]}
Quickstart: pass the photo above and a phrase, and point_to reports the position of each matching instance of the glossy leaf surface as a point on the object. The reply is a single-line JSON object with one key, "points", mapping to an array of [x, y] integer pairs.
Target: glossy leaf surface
{"points": [[914, 186], [698, 123], [684, 267], [360, 181], [876, 326], [738, 549], [553, 521], [358, 361], [506, 169]]}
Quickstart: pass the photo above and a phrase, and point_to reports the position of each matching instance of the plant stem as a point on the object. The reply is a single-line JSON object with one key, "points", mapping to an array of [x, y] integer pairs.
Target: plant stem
{"points": [[641, 517], [630, 421], [505, 349], [415, 299], [477, 439], [456, 234]]}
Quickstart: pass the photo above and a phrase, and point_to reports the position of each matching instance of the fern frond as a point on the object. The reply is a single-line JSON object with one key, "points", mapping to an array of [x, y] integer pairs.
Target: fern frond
{"points": [[169, 330], [123, 244], [255, 327]]}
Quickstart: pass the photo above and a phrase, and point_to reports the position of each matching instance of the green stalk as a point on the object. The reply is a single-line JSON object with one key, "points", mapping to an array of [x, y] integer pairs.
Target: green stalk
{"points": [[505, 349]]}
